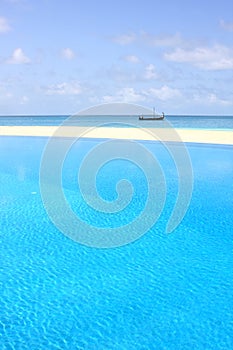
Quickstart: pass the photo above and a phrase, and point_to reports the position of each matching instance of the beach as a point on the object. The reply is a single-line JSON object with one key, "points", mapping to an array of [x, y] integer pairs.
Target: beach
{"points": [[162, 134]]}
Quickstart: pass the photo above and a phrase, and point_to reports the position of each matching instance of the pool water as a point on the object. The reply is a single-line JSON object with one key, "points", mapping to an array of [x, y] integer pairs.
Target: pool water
{"points": [[160, 292]]}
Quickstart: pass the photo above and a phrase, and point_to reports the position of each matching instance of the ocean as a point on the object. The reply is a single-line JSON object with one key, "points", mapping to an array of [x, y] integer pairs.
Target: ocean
{"points": [[182, 121]]}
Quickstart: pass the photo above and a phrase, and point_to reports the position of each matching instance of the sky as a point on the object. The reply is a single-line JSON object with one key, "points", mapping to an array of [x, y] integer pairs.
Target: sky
{"points": [[59, 57]]}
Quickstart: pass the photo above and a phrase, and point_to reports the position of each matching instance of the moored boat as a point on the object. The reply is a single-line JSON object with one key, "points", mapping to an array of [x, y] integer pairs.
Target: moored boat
{"points": [[153, 117]]}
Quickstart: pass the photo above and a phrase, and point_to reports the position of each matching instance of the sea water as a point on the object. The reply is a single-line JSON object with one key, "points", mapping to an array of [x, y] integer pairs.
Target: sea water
{"points": [[206, 122]]}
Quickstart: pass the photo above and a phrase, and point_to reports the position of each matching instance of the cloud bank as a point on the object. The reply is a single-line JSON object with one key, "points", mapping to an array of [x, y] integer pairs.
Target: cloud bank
{"points": [[18, 57], [216, 58]]}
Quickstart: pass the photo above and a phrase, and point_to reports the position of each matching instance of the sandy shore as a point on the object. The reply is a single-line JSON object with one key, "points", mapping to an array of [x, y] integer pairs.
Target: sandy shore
{"points": [[185, 135]]}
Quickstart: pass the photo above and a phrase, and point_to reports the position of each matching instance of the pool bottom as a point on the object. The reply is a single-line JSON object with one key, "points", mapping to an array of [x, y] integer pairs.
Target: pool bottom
{"points": [[160, 292]]}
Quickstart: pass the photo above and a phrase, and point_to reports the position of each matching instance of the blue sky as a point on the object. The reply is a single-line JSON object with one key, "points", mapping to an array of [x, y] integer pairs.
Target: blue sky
{"points": [[57, 56]]}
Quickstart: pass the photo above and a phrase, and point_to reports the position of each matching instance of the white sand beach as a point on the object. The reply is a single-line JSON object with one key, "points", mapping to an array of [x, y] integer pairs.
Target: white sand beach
{"points": [[185, 135]]}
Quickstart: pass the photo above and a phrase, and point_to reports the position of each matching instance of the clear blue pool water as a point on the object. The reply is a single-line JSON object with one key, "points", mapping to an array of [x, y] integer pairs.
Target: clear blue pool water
{"points": [[206, 122], [160, 292]]}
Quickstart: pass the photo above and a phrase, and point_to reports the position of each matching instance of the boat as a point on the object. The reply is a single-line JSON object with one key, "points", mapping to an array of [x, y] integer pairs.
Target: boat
{"points": [[153, 117]]}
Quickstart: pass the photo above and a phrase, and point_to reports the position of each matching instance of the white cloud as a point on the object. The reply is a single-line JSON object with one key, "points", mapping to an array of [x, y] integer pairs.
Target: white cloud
{"points": [[67, 53], [4, 25], [132, 74], [18, 57], [149, 39], [215, 58], [24, 100], [211, 99], [226, 25], [150, 72], [163, 40], [125, 39], [131, 59], [127, 94], [72, 88], [164, 93]]}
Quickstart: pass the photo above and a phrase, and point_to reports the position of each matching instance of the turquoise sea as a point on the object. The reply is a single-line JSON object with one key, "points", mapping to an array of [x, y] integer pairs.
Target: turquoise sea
{"points": [[206, 122]]}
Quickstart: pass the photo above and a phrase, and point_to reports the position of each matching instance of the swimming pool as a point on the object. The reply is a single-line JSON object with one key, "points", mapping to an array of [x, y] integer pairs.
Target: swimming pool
{"points": [[160, 292]]}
